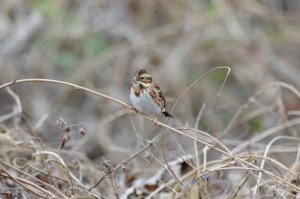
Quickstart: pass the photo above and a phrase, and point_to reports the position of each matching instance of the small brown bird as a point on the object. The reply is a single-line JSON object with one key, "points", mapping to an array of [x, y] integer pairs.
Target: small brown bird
{"points": [[146, 95]]}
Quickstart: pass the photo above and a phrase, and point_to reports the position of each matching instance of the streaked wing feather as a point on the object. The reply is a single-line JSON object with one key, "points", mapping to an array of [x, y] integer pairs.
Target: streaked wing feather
{"points": [[160, 93]]}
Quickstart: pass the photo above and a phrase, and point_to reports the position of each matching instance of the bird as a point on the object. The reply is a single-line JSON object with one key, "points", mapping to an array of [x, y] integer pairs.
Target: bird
{"points": [[146, 96]]}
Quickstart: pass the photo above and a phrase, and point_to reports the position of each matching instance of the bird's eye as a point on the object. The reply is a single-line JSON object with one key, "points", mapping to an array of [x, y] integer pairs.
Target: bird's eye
{"points": [[142, 77]]}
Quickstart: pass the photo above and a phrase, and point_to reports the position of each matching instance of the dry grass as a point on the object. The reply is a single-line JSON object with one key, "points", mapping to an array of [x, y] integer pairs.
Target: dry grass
{"points": [[68, 131], [230, 161]]}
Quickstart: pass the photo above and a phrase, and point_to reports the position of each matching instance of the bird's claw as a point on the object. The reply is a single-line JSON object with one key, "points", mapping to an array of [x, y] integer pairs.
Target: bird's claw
{"points": [[134, 111], [154, 120]]}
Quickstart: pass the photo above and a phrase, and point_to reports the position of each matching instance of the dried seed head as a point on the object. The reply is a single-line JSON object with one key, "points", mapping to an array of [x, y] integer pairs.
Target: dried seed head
{"points": [[82, 130], [63, 140], [61, 123], [125, 165], [109, 169], [67, 129]]}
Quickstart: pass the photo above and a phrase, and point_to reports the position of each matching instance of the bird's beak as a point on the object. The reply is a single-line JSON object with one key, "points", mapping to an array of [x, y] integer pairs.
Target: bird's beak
{"points": [[134, 79]]}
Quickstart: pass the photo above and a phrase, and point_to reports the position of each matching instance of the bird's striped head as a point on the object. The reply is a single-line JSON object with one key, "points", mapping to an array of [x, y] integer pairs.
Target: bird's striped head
{"points": [[142, 79]]}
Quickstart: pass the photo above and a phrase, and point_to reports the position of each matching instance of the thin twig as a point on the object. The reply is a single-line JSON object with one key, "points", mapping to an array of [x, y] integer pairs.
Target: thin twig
{"points": [[17, 180], [38, 180], [41, 171], [195, 143], [185, 160], [248, 103], [18, 111], [103, 123], [61, 161], [71, 182], [162, 140], [152, 154], [239, 187], [266, 153]]}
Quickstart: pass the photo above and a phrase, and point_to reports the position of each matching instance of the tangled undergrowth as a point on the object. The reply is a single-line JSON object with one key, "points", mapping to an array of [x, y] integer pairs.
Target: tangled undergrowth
{"points": [[253, 168], [244, 144]]}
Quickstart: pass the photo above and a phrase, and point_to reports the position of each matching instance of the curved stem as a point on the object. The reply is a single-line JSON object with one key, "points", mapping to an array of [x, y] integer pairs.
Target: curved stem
{"points": [[266, 153], [182, 94]]}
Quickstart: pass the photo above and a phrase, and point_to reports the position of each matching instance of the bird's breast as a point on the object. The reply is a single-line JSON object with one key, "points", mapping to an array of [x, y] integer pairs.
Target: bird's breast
{"points": [[145, 101]]}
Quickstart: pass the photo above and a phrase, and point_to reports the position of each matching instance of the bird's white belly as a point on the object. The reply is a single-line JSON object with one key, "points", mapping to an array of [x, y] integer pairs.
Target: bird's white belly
{"points": [[145, 104]]}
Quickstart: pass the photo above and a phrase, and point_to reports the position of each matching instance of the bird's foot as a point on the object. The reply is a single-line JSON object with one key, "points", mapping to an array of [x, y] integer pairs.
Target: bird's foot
{"points": [[134, 111], [154, 120]]}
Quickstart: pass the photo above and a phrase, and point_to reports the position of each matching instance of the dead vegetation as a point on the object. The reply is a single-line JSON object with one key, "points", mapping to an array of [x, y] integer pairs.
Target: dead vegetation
{"points": [[66, 128], [281, 180]]}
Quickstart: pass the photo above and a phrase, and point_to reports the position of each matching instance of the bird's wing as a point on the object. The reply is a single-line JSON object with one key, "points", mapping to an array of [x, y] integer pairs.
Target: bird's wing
{"points": [[160, 94], [162, 97]]}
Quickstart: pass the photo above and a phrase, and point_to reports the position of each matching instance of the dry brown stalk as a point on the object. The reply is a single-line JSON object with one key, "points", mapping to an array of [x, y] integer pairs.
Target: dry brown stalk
{"points": [[226, 153]]}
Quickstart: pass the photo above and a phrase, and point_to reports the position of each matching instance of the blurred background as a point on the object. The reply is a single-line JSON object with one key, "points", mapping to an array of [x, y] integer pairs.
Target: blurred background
{"points": [[100, 45]]}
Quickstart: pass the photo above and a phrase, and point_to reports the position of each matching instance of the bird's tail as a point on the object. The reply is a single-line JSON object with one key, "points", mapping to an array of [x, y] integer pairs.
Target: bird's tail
{"points": [[167, 114]]}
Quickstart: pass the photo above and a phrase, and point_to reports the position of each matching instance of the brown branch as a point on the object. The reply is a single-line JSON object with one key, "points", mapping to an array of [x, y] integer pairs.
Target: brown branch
{"points": [[64, 83]]}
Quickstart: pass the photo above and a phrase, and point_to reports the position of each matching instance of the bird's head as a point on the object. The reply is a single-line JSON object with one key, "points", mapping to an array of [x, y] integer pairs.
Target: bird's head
{"points": [[142, 79]]}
